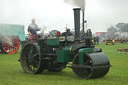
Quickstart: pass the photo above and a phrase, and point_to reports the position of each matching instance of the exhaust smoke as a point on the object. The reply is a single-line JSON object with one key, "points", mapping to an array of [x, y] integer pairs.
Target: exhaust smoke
{"points": [[79, 3]]}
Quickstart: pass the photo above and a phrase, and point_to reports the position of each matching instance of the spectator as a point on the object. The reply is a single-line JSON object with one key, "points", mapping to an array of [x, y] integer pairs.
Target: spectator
{"points": [[97, 40]]}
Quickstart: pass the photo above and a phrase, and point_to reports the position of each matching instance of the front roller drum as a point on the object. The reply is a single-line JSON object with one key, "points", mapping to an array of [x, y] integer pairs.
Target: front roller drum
{"points": [[95, 65], [31, 60]]}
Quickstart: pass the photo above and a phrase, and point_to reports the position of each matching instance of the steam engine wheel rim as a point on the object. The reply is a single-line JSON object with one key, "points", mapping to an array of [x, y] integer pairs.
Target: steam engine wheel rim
{"points": [[31, 61], [10, 44]]}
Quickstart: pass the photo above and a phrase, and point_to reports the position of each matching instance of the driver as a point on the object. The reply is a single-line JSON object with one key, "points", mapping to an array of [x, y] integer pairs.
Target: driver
{"points": [[33, 28]]}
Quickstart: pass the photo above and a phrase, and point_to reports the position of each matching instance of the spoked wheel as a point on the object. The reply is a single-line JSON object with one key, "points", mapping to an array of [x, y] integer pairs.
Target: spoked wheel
{"points": [[95, 65], [9, 44], [30, 59]]}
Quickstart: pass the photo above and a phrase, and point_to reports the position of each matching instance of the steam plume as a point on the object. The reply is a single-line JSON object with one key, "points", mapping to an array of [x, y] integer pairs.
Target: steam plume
{"points": [[79, 3]]}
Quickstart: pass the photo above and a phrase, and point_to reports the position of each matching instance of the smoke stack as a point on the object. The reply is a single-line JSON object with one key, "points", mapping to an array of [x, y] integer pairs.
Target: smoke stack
{"points": [[77, 23]]}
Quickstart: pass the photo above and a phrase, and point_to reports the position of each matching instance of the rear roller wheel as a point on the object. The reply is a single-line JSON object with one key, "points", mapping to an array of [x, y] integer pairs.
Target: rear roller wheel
{"points": [[95, 65], [30, 59], [9, 44]]}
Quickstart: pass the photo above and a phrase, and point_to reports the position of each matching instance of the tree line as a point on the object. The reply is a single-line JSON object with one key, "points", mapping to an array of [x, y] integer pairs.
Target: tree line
{"points": [[120, 27]]}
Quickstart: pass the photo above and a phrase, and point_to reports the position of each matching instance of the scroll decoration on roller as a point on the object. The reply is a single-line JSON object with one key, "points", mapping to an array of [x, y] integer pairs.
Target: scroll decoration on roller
{"points": [[54, 53]]}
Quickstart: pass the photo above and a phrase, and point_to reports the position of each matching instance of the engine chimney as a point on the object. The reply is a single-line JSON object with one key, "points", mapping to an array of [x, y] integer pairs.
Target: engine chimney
{"points": [[77, 23]]}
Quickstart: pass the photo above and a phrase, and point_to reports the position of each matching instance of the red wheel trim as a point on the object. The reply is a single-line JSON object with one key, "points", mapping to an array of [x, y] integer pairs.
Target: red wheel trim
{"points": [[10, 46], [34, 36]]}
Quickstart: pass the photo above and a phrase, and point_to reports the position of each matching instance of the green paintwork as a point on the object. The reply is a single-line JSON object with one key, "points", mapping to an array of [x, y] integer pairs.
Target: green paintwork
{"points": [[63, 55], [12, 30], [53, 42], [81, 54], [87, 50]]}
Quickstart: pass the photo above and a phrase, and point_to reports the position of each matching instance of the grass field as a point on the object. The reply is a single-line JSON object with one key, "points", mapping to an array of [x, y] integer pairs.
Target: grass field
{"points": [[11, 72]]}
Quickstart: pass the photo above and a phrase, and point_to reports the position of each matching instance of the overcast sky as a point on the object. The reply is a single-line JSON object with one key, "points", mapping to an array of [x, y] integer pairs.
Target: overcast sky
{"points": [[55, 14]]}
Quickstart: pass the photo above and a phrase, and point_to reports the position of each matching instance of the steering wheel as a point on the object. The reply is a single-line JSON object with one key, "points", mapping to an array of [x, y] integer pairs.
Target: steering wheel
{"points": [[33, 38]]}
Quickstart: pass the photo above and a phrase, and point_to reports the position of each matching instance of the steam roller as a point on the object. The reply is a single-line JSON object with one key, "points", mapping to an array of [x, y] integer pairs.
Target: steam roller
{"points": [[54, 53]]}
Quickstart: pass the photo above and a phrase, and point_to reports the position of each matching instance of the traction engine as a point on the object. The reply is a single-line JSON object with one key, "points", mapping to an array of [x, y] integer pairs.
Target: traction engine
{"points": [[54, 53]]}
